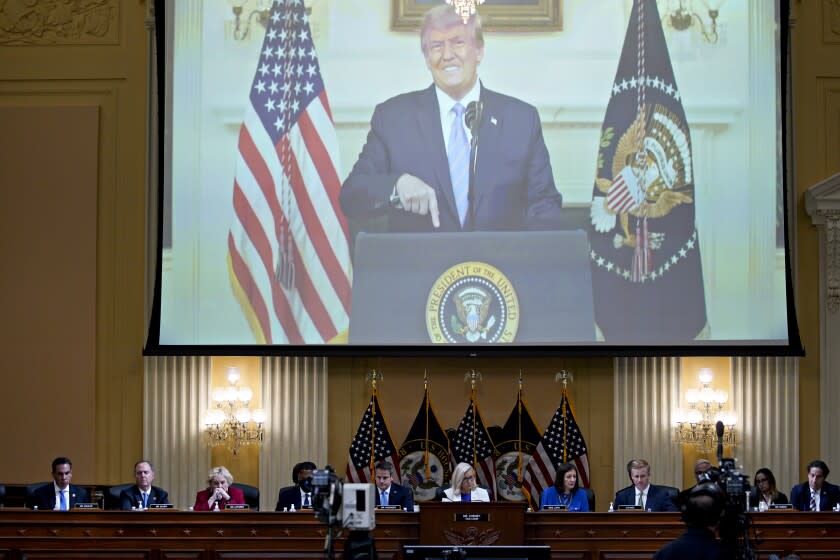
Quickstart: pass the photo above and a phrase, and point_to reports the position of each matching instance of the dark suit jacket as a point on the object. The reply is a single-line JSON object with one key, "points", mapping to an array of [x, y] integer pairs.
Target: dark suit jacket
{"points": [[514, 185], [800, 496], [45, 496], [288, 497], [130, 497], [696, 543], [399, 496], [236, 497], [657, 499]]}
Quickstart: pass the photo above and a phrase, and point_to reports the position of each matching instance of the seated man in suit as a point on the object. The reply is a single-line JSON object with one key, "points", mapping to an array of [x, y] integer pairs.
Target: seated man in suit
{"points": [[300, 495], [388, 492], [60, 494], [416, 165], [642, 492], [816, 493], [143, 494]]}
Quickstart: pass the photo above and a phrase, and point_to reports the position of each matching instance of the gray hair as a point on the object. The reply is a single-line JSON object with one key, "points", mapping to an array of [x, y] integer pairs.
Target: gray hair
{"points": [[443, 17], [216, 471]]}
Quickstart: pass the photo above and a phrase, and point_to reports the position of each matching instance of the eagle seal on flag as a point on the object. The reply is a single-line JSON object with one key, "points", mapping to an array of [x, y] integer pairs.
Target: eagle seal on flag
{"points": [[647, 275]]}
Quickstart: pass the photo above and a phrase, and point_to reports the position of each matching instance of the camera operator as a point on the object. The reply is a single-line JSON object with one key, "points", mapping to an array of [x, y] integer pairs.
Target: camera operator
{"points": [[701, 508]]}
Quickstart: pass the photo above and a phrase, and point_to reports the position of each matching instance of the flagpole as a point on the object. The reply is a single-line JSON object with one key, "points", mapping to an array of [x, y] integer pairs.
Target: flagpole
{"points": [[564, 376], [473, 376], [373, 376], [428, 471], [519, 428]]}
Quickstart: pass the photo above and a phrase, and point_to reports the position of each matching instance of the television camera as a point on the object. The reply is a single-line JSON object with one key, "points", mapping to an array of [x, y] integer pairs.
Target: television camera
{"points": [[343, 505]]}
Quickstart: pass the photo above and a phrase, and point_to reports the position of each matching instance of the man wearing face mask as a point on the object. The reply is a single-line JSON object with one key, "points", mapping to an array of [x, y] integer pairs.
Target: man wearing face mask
{"points": [[299, 495], [415, 166]]}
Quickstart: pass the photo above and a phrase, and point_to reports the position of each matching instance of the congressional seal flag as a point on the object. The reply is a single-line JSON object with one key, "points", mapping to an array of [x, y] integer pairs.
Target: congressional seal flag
{"points": [[561, 443], [372, 443], [288, 249], [519, 437], [472, 444], [647, 277], [424, 456]]}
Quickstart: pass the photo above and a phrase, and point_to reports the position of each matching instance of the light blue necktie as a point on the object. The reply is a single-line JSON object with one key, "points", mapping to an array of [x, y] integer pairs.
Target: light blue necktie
{"points": [[145, 500], [62, 500], [459, 162], [383, 500]]}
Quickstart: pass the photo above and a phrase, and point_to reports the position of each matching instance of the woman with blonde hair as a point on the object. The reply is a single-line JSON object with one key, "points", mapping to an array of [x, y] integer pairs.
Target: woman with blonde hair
{"points": [[218, 492], [463, 487]]}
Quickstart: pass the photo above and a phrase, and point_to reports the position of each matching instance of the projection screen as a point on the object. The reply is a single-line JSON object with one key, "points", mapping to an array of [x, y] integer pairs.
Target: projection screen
{"points": [[622, 186]]}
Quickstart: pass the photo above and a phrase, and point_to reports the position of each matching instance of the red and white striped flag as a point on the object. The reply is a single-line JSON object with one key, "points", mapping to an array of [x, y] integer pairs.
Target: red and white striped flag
{"points": [[371, 444], [625, 192], [561, 443], [289, 250]]}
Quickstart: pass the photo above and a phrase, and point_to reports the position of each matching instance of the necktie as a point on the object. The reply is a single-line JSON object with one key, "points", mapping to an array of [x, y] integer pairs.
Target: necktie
{"points": [[145, 500], [62, 500], [813, 504], [641, 501], [383, 499], [306, 501], [459, 162]]}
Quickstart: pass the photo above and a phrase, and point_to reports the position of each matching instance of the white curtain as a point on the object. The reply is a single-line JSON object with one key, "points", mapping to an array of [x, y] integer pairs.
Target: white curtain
{"points": [[646, 394]]}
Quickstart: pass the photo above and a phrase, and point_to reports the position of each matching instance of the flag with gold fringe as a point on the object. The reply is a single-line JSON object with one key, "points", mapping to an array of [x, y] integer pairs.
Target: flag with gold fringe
{"points": [[372, 443], [472, 444], [518, 440], [561, 443], [424, 456], [647, 277]]}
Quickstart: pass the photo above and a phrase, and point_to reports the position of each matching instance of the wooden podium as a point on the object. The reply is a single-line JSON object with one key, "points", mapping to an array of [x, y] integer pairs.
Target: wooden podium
{"points": [[472, 523]]}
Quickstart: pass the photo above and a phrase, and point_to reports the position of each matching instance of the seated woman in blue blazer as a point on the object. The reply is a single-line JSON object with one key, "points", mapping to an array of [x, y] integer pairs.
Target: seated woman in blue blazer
{"points": [[566, 490]]}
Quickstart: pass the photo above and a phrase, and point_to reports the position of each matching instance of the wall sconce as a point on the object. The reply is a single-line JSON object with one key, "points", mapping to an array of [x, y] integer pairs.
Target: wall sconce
{"points": [[696, 426], [233, 423], [684, 16], [257, 10]]}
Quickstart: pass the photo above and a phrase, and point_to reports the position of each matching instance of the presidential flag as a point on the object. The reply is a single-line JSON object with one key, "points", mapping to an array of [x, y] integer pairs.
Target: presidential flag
{"points": [[424, 456], [371, 444], [647, 277], [288, 249], [561, 443], [472, 444], [517, 441]]}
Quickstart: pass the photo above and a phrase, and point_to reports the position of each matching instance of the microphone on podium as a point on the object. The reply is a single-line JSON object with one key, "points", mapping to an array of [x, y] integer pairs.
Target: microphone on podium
{"points": [[472, 119]]}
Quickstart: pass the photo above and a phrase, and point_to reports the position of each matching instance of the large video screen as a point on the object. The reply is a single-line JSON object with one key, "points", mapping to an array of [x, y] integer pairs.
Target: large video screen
{"points": [[566, 176]]}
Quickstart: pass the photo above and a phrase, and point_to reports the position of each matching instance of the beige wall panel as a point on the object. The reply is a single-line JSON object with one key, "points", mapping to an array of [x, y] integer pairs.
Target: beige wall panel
{"points": [[401, 392], [48, 174]]}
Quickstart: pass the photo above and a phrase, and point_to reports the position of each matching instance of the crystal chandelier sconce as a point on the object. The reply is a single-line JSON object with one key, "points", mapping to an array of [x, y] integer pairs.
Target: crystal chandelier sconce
{"points": [[465, 8], [696, 426], [232, 422]]}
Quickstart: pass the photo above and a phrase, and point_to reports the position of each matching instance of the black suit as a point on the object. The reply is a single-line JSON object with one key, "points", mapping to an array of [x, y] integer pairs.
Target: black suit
{"points": [[45, 496], [656, 499], [288, 497], [130, 497], [398, 496], [697, 543], [800, 496]]}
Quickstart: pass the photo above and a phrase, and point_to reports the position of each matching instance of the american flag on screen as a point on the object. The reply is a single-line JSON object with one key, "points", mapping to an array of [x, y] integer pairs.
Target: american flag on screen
{"points": [[472, 444], [288, 249], [371, 444], [561, 443]]}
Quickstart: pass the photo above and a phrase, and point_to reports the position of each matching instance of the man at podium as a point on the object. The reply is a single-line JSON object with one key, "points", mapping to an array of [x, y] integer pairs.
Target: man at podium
{"points": [[455, 156]]}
